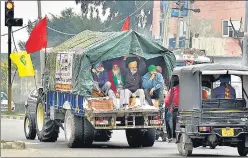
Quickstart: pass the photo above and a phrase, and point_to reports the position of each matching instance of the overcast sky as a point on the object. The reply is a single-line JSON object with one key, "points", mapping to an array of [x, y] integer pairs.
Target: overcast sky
{"points": [[28, 10]]}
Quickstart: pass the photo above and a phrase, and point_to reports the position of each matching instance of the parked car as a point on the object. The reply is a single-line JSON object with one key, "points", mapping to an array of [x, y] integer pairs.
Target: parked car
{"points": [[30, 103], [4, 103]]}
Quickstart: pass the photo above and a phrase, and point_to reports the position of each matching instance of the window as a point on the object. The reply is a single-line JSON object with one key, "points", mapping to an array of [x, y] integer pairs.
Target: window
{"points": [[227, 30], [236, 83], [215, 98]]}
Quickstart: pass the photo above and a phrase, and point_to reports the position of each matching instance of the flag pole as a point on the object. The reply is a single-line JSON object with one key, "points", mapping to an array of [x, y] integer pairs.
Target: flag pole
{"points": [[35, 82], [14, 76]]}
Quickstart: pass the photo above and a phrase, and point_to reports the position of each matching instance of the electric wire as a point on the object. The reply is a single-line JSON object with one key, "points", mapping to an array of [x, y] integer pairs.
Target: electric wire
{"points": [[70, 34]]}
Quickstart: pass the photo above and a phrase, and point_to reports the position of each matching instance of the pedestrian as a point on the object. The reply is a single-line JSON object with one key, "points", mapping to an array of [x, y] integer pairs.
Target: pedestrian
{"points": [[171, 103]]}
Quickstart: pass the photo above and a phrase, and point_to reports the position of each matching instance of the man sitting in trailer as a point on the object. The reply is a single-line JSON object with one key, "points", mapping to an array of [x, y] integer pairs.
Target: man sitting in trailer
{"points": [[100, 76], [132, 82], [153, 84], [225, 90], [117, 82]]}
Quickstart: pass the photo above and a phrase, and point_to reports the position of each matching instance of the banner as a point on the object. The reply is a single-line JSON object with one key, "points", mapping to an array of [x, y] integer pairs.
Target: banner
{"points": [[63, 73]]}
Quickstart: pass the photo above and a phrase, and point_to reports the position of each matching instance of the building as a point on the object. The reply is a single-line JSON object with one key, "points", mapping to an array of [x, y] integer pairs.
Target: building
{"points": [[213, 28], [210, 29]]}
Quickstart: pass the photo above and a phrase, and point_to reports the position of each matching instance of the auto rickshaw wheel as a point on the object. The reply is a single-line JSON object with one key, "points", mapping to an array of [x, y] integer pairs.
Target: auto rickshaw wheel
{"points": [[242, 150], [181, 146]]}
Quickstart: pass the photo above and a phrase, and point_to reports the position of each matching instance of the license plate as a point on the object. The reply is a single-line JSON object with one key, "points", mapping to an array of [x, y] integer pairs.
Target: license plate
{"points": [[227, 132]]}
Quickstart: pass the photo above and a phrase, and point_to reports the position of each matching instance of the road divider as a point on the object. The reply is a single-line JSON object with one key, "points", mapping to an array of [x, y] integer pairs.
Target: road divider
{"points": [[12, 145], [12, 117]]}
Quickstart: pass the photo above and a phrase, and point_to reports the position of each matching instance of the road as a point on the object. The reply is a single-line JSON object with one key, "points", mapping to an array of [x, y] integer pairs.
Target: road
{"points": [[117, 147]]}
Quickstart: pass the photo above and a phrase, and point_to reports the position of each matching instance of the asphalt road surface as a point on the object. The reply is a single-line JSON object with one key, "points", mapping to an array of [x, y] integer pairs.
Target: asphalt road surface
{"points": [[116, 147]]}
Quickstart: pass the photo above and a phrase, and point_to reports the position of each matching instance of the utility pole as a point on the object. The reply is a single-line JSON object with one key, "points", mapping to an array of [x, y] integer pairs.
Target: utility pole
{"points": [[166, 23], [9, 70], [244, 53], [41, 54], [178, 24], [188, 25], [10, 21]]}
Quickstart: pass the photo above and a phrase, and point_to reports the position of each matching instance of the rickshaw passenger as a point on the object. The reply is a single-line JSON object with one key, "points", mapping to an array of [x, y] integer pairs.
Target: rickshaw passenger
{"points": [[117, 82], [153, 84], [132, 82], [225, 90], [100, 76], [204, 94]]}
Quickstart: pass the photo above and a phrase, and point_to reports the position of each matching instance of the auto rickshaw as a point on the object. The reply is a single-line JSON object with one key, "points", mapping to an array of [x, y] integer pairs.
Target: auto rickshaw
{"points": [[211, 121]]}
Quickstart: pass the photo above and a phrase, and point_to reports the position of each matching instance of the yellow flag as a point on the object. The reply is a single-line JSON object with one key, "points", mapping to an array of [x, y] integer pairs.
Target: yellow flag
{"points": [[23, 63]]}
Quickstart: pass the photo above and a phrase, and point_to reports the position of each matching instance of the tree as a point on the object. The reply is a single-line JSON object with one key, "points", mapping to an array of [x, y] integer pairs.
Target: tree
{"points": [[141, 21], [67, 22], [4, 74]]}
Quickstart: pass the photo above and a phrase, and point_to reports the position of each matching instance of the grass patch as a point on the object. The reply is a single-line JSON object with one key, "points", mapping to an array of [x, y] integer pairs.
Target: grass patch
{"points": [[12, 114]]}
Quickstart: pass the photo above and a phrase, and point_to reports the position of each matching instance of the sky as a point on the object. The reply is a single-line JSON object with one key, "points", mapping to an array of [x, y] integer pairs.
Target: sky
{"points": [[28, 10]]}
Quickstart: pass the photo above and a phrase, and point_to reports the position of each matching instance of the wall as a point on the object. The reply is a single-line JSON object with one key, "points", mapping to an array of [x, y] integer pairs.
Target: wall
{"points": [[217, 46]]}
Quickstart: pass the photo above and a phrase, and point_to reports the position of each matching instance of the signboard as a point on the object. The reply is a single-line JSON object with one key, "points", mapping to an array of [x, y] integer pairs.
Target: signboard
{"points": [[63, 73], [174, 12]]}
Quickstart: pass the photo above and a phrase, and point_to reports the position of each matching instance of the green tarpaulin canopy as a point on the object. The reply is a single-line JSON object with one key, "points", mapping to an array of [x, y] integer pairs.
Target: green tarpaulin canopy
{"points": [[92, 47]]}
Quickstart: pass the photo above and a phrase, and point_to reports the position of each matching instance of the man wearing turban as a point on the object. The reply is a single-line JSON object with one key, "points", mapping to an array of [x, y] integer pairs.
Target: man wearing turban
{"points": [[100, 76], [153, 83], [132, 81]]}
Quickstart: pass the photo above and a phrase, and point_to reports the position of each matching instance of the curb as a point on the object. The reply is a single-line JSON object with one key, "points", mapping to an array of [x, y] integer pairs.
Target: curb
{"points": [[13, 145], [12, 117]]}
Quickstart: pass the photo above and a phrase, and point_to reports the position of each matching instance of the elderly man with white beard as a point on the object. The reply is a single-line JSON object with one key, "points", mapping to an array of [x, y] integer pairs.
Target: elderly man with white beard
{"points": [[117, 82]]}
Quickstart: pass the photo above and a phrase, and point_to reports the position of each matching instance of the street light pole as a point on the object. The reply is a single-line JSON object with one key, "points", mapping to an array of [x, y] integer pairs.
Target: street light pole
{"points": [[188, 26], [178, 24], [41, 54], [166, 23], [244, 53]]}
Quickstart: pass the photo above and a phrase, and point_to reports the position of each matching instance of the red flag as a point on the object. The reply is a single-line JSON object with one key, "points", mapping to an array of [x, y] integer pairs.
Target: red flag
{"points": [[38, 37], [126, 25]]}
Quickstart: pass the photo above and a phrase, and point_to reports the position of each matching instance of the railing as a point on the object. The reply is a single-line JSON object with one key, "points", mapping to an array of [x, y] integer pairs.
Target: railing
{"points": [[224, 104]]}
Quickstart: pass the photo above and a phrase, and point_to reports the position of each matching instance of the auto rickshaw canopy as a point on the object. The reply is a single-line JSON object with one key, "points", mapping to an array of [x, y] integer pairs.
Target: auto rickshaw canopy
{"points": [[191, 77]]}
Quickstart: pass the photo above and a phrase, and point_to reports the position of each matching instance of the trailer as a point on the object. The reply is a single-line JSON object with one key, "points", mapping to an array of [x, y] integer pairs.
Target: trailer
{"points": [[67, 86]]}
